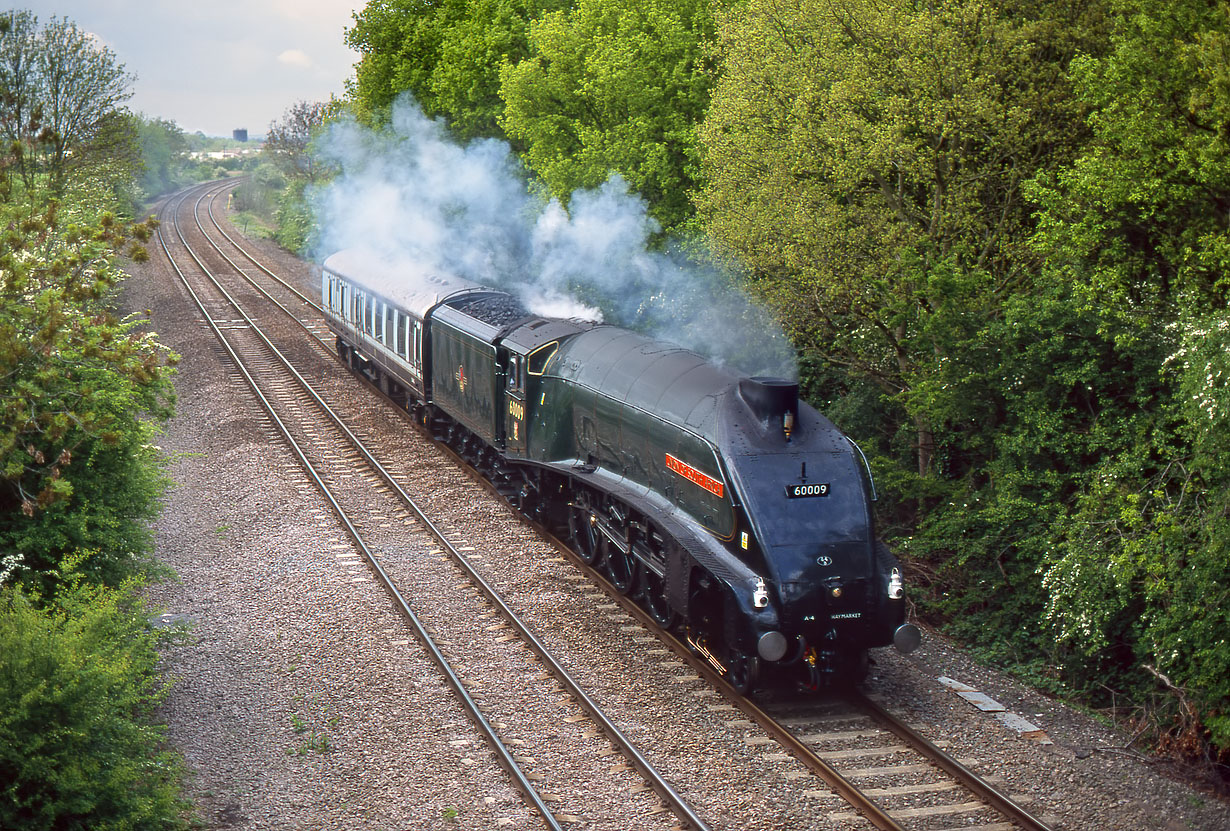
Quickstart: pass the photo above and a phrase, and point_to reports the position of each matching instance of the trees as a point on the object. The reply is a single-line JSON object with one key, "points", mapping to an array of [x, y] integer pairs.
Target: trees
{"points": [[288, 143], [866, 160], [81, 393], [82, 89], [614, 87], [1140, 224], [80, 396], [582, 92], [62, 104], [78, 683], [491, 35], [20, 109], [279, 185], [163, 151], [448, 55], [399, 43]]}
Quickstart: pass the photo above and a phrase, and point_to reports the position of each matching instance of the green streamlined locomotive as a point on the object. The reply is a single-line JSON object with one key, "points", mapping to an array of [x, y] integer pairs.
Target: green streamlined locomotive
{"points": [[725, 506]]}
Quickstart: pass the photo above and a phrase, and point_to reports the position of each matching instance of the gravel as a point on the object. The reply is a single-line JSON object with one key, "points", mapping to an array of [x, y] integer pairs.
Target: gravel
{"points": [[294, 710]]}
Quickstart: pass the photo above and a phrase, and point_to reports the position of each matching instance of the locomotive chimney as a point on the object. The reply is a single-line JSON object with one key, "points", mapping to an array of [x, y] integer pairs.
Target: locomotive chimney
{"points": [[774, 401]]}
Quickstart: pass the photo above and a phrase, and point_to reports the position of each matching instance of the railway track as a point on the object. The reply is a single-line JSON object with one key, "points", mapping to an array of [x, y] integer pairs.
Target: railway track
{"points": [[887, 772], [363, 493], [823, 738]]}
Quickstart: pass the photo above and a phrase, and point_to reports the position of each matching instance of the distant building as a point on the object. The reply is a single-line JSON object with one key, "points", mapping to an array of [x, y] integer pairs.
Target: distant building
{"points": [[240, 135]]}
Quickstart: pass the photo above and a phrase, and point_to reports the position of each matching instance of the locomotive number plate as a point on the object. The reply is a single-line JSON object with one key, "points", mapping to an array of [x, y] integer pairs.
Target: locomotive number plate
{"points": [[807, 491]]}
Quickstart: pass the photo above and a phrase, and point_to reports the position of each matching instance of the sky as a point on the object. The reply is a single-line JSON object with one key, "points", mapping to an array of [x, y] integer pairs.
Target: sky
{"points": [[214, 66]]}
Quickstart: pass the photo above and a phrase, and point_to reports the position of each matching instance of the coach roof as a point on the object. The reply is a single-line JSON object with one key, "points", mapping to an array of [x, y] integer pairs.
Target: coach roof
{"points": [[405, 283]]}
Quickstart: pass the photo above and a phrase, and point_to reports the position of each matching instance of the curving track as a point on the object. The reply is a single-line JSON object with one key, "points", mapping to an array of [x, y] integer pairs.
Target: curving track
{"points": [[239, 298], [359, 489]]}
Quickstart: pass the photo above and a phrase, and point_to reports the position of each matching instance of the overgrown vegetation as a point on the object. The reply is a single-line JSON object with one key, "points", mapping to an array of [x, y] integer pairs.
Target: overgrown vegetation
{"points": [[82, 395], [999, 233], [78, 750]]}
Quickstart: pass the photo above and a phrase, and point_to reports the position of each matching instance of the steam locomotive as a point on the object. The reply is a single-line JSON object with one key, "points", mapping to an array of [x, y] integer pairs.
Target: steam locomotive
{"points": [[723, 505]]}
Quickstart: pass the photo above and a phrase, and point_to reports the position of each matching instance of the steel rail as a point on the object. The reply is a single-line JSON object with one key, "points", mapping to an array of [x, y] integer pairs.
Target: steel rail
{"points": [[658, 782], [862, 803], [475, 714], [248, 256], [979, 786]]}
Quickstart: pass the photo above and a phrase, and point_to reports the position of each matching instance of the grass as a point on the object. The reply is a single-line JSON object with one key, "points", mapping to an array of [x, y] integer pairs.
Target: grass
{"points": [[252, 225]]}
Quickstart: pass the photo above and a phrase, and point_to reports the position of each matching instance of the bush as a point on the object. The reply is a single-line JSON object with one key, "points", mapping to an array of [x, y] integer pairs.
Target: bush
{"points": [[83, 394], [78, 682]]}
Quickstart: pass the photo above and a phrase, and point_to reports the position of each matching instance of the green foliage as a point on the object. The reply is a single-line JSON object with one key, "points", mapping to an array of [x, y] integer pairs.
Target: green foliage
{"points": [[61, 112], [1137, 583], [1137, 580], [78, 681], [448, 55], [261, 193], [583, 92], [399, 43], [294, 218], [614, 87], [164, 152], [289, 143], [79, 392], [867, 161], [465, 82], [1142, 214]]}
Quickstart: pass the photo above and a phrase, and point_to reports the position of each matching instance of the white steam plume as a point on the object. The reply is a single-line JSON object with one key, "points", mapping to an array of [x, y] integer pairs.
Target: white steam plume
{"points": [[409, 193]]}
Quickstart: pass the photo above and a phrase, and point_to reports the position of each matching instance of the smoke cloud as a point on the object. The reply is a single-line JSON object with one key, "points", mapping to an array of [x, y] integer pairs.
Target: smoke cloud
{"points": [[410, 193]]}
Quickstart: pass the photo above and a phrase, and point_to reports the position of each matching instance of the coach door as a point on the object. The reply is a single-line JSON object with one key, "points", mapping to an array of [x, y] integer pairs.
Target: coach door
{"points": [[514, 405]]}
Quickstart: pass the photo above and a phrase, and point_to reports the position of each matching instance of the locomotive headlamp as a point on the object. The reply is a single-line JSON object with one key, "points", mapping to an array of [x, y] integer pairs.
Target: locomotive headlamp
{"points": [[760, 597], [896, 588], [788, 424], [836, 591]]}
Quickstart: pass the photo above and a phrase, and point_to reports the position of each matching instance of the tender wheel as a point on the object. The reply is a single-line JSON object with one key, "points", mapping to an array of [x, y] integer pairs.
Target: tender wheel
{"points": [[584, 535], [618, 567]]}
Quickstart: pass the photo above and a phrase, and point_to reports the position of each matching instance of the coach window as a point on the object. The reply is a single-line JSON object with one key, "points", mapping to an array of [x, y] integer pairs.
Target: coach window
{"points": [[418, 343], [378, 320], [400, 345]]}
